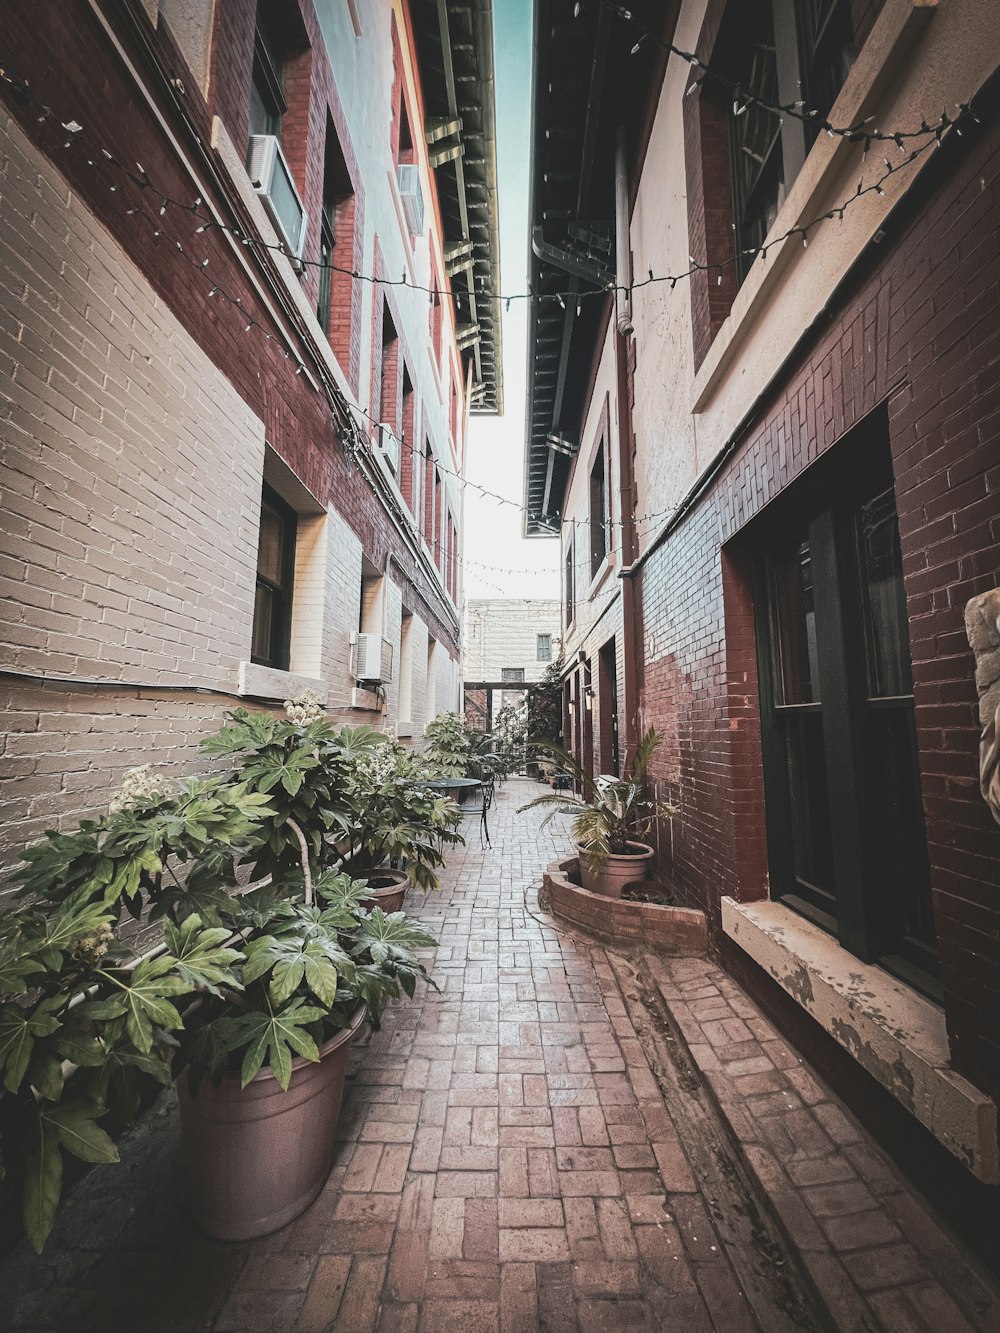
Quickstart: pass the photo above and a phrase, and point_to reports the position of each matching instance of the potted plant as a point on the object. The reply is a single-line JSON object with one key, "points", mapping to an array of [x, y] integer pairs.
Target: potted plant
{"points": [[397, 828], [248, 989], [72, 992], [265, 1055], [609, 819], [449, 746]]}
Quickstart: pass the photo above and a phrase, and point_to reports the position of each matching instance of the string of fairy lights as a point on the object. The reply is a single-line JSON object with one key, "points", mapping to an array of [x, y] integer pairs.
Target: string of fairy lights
{"points": [[102, 160]]}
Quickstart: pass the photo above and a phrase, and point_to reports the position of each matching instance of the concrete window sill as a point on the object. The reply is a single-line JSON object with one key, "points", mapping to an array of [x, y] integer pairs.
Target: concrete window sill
{"points": [[895, 1034], [263, 682]]}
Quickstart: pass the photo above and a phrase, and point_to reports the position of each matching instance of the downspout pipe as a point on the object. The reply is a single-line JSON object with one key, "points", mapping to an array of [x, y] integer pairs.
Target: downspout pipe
{"points": [[631, 597]]}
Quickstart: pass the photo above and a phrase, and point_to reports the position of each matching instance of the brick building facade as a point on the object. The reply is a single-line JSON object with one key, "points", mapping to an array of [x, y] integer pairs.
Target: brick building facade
{"points": [[505, 640], [234, 412], [776, 483]]}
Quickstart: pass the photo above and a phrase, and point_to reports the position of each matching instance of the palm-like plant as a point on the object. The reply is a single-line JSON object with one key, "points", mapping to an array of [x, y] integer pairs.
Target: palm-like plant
{"points": [[611, 812]]}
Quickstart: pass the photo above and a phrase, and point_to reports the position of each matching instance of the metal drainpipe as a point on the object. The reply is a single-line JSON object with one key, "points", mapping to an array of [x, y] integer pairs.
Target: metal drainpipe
{"points": [[631, 606]]}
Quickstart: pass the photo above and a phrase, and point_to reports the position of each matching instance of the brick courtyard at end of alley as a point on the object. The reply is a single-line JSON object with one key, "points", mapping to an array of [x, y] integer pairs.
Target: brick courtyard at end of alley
{"points": [[561, 1136]]}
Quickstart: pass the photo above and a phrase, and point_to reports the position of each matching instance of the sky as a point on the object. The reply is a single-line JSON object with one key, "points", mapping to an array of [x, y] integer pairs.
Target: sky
{"points": [[493, 542]]}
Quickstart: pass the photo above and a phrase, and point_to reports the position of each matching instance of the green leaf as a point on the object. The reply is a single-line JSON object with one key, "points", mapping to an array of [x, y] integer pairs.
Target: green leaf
{"points": [[43, 1177], [74, 1122], [202, 959], [275, 1037], [146, 990], [18, 1030], [16, 959], [45, 1074], [73, 920]]}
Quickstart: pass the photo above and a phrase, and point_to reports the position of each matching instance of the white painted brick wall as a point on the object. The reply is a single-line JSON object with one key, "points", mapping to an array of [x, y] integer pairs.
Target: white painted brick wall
{"points": [[502, 632]]}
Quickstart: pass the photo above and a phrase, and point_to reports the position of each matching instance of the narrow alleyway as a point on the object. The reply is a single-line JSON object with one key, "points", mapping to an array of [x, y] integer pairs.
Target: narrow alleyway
{"points": [[533, 1147]]}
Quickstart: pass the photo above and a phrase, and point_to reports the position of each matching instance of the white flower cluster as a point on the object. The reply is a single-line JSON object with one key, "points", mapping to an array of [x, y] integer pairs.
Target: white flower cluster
{"points": [[139, 787], [304, 708], [379, 767], [92, 948]]}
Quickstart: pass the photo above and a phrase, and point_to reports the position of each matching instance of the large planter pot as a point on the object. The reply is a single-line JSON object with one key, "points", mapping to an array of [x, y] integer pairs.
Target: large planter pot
{"points": [[257, 1156], [617, 871], [388, 889]]}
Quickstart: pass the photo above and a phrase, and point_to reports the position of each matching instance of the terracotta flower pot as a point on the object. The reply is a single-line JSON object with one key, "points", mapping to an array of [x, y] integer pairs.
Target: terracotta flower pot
{"points": [[617, 871], [257, 1156], [388, 889]]}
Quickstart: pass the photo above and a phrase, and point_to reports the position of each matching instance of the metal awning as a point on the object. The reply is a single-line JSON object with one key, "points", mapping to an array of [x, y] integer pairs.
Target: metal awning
{"points": [[454, 41]]}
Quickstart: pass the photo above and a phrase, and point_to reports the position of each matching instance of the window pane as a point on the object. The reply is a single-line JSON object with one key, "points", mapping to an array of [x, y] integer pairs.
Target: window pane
{"points": [[269, 552], [795, 625], [512, 675], [897, 836], [812, 843], [883, 598], [827, 50], [544, 647], [263, 622]]}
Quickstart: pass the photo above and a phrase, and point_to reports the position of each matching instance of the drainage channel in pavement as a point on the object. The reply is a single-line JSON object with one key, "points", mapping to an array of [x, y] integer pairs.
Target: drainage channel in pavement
{"points": [[777, 1288]]}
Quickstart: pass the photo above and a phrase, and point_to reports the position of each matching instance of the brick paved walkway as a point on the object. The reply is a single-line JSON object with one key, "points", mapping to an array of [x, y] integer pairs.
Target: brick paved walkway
{"points": [[508, 1162]]}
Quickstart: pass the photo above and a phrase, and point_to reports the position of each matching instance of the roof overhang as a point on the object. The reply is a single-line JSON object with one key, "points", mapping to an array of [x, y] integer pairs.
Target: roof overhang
{"points": [[586, 81], [454, 40]]}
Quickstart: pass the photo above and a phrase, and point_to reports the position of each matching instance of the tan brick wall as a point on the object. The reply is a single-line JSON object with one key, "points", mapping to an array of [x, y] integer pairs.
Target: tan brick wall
{"points": [[129, 498], [131, 468]]}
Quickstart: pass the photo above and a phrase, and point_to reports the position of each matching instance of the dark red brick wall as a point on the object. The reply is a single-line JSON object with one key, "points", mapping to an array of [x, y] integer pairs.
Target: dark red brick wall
{"points": [[918, 331], [61, 50]]}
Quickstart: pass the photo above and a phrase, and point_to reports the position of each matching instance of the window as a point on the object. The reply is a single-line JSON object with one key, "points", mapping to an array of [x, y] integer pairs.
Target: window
{"points": [[267, 93], [846, 838], [755, 138], [389, 368], [568, 588], [543, 647], [781, 51], [512, 675], [336, 221], [826, 51], [272, 617], [599, 544], [607, 702], [406, 645]]}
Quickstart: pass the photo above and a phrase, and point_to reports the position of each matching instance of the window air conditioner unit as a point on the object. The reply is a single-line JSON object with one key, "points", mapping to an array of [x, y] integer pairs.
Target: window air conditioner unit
{"points": [[412, 196], [388, 445], [372, 659], [271, 178]]}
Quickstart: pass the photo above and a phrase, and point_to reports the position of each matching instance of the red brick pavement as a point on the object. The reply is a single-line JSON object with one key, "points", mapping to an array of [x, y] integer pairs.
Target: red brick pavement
{"points": [[507, 1161]]}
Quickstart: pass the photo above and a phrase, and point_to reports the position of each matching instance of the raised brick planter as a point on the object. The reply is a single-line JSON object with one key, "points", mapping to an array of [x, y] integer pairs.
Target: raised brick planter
{"points": [[672, 930]]}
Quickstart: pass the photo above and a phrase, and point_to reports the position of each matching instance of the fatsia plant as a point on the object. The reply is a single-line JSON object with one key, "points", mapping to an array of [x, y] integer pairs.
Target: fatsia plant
{"points": [[394, 820], [309, 960], [611, 812], [67, 996], [72, 994], [449, 746], [303, 765]]}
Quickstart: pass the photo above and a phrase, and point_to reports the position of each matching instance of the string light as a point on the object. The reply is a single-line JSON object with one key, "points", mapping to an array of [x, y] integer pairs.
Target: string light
{"points": [[343, 402], [743, 97], [934, 133]]}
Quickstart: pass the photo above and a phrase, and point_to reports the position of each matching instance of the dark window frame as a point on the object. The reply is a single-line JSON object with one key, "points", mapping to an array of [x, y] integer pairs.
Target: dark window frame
{"points": [[784, 51], [569, 584], [599, 511], [822, 749], [267, 81], [280, 595]]}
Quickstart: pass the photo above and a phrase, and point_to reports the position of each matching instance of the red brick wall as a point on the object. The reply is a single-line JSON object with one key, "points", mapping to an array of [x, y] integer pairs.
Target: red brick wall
{"points": [[95, 88], [920, 332]]}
